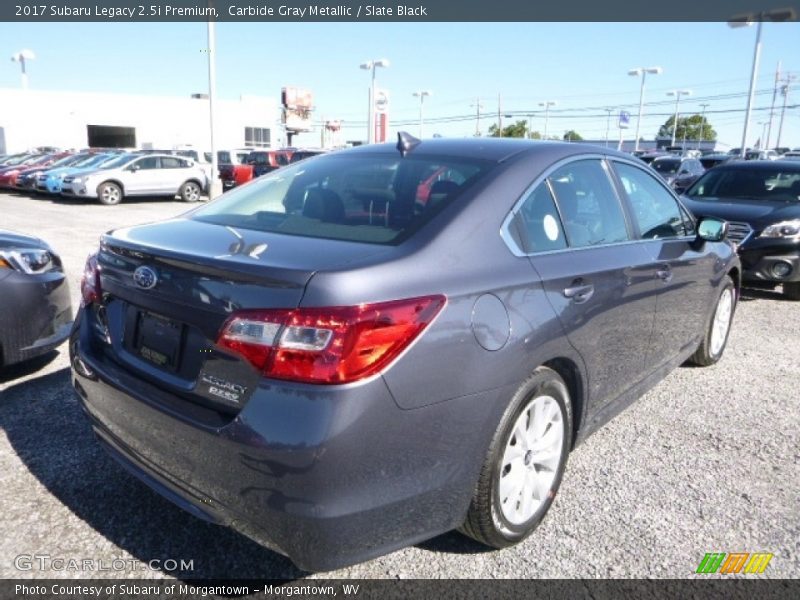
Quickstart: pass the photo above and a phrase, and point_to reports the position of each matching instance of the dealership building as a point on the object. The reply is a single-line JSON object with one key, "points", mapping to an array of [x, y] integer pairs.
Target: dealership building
{"points": [[37, 118]]}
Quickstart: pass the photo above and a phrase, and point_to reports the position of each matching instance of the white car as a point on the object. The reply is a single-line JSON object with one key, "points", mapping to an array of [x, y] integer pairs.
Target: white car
{"points": [[140, 175]]}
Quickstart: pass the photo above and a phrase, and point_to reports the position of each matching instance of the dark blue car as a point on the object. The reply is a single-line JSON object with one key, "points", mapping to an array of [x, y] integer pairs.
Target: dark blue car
{"points": [[337, 367]]}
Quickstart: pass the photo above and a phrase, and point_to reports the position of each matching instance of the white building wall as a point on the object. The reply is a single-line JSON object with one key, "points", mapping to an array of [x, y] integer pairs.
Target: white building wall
{"points": [[31, 118]]}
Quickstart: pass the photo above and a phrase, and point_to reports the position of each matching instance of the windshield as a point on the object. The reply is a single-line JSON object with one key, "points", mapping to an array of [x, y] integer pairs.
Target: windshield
{"points": [[67, 160], [666, 166], [17, 160], [375, 199], [751, 184], [89, 160]]}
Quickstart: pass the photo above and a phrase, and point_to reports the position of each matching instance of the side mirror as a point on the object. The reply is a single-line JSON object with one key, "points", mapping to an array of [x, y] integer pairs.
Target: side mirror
{"points": [[712, 230], [134, 168]]}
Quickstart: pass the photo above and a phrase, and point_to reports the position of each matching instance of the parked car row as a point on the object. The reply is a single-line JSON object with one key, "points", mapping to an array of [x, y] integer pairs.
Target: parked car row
{"points": [[760, 199], [242, 168], [106, 176]]}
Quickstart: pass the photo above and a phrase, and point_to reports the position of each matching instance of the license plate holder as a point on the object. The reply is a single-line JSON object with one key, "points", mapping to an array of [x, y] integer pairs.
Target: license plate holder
{"points": [[158, 340]]}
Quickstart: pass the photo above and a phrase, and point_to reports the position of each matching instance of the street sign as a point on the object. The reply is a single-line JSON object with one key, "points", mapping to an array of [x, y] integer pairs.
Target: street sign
{"points": [[624, 119]]}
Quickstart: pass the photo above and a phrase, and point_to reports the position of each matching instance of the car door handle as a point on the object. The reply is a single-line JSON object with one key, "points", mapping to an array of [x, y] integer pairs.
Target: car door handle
{"points": [[579, 293], [664, 274]]}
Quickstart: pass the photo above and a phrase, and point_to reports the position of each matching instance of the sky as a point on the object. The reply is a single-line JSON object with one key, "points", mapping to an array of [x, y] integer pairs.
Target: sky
{"points": [[581, 66]]}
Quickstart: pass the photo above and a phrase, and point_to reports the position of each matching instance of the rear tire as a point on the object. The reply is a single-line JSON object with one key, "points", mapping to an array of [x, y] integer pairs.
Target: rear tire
{"points": [[109, 193], [792, 290], [190, 191], [718, 329], [525, 463]]}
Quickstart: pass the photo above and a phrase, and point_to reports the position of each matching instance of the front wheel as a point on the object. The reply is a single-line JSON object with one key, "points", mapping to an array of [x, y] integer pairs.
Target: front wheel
{"points": [[109, 193], [792, 290], [190, 192], [716, 335], [525, 463]]}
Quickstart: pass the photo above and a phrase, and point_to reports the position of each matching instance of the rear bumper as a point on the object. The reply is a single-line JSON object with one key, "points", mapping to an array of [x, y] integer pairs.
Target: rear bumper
{"points": [[35, 315], [328, 476]]}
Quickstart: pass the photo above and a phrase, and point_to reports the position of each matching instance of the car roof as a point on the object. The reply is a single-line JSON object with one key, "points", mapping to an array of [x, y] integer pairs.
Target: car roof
{"points": [[491, 149], [761, 165]]}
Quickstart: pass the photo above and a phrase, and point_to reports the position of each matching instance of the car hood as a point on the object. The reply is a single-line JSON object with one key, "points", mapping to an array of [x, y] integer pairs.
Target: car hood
{"points": [[78, 172], [9, 239], [758, 213]]}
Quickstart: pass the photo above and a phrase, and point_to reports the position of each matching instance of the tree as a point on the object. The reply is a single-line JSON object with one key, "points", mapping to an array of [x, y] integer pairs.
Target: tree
{"points": [[573, 136], [515, 130], [688, 128]]}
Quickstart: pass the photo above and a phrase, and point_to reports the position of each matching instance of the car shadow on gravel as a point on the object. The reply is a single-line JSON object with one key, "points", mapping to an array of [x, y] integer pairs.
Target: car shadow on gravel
{"points": [[29, 367], [49, 433], [453, 542]]}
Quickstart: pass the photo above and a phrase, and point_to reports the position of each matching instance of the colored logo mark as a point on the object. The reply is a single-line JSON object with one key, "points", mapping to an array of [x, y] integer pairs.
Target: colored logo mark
{"points": [[736, 562]]}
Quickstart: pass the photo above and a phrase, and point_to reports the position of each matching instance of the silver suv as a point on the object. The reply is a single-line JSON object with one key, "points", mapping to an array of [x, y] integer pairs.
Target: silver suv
{"points": [[140, 175]]}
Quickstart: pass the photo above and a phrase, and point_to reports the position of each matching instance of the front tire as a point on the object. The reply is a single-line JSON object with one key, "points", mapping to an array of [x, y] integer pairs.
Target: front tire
{"points": [[792, 290], [109, 193], [525, 463], [717, 331], [190, 191]]}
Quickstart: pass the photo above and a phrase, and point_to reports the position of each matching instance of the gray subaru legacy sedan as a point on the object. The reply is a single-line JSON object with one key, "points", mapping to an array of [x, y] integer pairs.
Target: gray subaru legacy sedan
{"points": [[369, 348]]}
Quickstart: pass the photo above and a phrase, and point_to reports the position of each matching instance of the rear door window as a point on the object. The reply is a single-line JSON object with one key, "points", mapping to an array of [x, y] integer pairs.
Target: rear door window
{"points": [[588, 204]]}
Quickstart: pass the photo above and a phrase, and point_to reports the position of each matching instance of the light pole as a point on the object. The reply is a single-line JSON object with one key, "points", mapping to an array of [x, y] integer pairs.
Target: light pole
{"points": [[421, 95], [704, 105], [215, 185], [371, 65], [677, 94], [745, 20], [20, 57], [547, 104], [642, 71]]}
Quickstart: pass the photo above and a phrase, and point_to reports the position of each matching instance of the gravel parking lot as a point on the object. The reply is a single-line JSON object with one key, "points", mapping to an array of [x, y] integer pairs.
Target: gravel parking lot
{"points": [[709, 461]]}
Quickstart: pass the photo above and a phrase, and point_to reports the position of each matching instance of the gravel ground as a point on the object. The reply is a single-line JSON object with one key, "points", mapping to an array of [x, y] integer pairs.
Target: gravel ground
{"points": [[709, 461]]}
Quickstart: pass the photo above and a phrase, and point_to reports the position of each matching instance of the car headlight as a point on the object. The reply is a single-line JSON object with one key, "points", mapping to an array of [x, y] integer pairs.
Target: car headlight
{"points": [[28, 260], [784, 229]]}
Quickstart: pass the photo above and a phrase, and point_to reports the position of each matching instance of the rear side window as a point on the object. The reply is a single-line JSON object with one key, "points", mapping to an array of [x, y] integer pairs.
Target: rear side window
{"points": [[170, 162], [149, 162], [381, 199], [589, 206], [538, 222], [655, 210]]}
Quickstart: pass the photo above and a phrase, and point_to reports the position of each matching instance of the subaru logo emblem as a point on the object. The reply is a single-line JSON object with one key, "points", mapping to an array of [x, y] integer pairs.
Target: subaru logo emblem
{"points": [[145, 278]]}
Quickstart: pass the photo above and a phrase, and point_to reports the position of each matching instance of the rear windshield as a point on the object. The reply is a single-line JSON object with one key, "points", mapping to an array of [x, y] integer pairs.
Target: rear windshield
{"points": [[361, 198], [750, 184]]}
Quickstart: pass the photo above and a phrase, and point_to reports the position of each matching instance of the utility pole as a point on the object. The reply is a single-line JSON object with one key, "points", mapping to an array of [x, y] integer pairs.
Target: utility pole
{"points": [[772, 106], [499, 117], [608, 122], [477, 106], [785, 92], [702, 124]]}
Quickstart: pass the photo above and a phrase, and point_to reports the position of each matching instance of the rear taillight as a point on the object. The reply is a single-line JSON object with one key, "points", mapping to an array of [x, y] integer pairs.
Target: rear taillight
{"points": [[328, 345], [90, 281]]}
